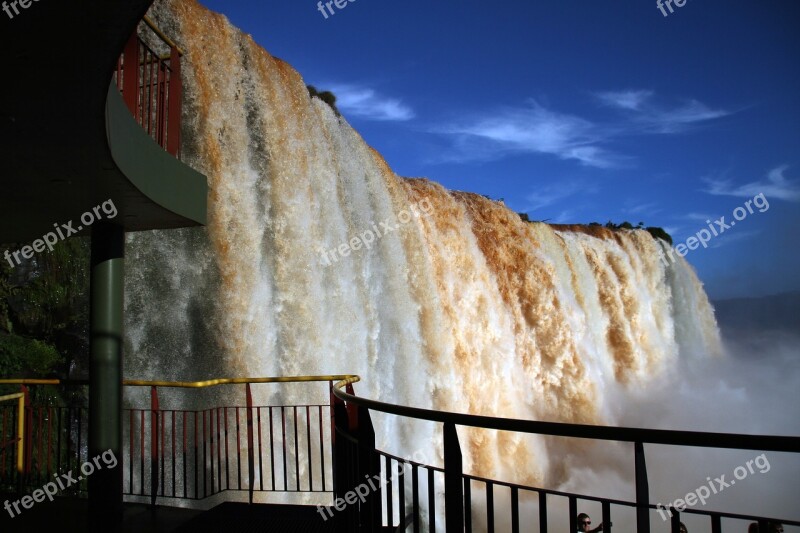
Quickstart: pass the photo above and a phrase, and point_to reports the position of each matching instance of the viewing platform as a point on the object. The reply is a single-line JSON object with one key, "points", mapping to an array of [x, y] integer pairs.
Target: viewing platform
{"points": [[233, 459]]}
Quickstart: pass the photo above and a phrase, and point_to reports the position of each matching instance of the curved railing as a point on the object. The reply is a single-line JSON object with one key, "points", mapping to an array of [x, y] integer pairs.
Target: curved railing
{"points": [[353, 423]]}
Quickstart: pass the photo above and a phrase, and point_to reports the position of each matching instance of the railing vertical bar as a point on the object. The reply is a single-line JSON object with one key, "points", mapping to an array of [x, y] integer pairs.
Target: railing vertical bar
{"points": [[321, 448], [154, 416], [514, 510], [196, 460], [3, 454], [131, 435], [401, 495], [260, 451], [467, 505], [58, 444], [296, 453], [573, 513], [205, 455], [675, 520], [606, 517], [238, 450], [141, 452], [415, 497], [310, 458], [227, 454], [219, 451], [389, 470], [489, 507], [163, 455], [271, 450], [174, 480], [185, 488], [39, 441], [283, 434], [251, 471], [431, 501], [642, 490], [543, 512], [716, 523], [49, 441]]}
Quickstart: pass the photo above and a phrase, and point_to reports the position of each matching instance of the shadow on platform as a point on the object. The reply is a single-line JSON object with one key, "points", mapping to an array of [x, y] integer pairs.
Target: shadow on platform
{"points": [[70, 514]]}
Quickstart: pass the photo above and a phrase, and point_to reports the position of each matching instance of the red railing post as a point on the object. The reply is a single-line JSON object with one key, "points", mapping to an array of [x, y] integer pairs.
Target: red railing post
{"points": [[154, 451], [130, 75], [174, 102], [251, 468], [28, 431]]}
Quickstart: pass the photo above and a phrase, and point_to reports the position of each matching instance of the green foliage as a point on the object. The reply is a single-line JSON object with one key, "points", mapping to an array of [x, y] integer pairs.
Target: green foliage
{"points": [[656, 232], [44, 311], [326, 96], [659, 233], [20, 356]]}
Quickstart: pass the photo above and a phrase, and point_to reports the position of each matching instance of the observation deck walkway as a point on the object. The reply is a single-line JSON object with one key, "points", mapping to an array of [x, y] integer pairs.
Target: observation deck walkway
{"points": [[312, 465]]}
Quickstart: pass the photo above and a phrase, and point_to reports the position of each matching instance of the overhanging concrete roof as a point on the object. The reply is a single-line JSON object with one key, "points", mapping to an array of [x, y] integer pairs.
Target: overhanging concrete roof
{"points": [[68, 143]]}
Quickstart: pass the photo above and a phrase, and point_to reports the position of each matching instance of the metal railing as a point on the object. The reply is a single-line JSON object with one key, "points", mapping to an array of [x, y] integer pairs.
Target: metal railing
{"points": [[356, 458], [180, 454], [184, 453], [150, 83]]}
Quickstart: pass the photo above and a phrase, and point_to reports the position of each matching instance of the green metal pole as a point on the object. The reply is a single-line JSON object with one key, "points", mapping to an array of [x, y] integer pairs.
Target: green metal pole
{"points": [[105, 376]]}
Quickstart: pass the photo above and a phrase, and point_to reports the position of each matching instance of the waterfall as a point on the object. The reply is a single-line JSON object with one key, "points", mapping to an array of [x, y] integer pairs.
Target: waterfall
{"points": [[454, 303]]}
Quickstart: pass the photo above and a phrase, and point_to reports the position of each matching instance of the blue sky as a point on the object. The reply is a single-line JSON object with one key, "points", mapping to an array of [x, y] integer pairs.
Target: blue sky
{"points": [[576, 110]]}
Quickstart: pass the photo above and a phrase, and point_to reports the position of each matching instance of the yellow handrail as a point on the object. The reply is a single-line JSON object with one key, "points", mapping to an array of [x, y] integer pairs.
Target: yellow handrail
{"points": [[161, 34], [196, 384], [20, 397]]}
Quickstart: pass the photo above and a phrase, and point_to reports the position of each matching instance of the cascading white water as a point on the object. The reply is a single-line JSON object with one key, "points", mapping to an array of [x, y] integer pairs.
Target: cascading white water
{"points": [[461, 306]]}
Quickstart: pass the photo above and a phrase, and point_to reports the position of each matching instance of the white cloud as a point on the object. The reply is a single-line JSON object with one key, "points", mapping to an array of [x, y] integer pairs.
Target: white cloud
{"points": [[655, 118], [774, 186], [548, 195], [535, 129], [630, 99], [532, 129], [366, 103]]}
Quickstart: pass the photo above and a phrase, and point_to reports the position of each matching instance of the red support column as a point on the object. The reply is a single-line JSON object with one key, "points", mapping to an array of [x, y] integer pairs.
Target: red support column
{"points": [[175, 88], [130, 75]]}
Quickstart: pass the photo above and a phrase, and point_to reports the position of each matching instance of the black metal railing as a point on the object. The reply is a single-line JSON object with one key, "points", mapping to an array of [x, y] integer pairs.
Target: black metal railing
{"points": [[356, 459]]}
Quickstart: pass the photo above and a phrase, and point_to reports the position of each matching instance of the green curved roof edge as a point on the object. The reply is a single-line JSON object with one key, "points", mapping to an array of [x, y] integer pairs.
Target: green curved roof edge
{"points": [[158, 175]]}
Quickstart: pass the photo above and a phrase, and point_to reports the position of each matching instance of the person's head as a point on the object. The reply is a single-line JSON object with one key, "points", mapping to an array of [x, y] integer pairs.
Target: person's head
{"points": [[682, 528], [584, 522], [775, 527], [753, 528]]}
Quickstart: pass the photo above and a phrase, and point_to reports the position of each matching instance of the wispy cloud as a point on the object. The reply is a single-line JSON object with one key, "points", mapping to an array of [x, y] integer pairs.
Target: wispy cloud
{"points": [[535, 129], [365, 102], [775, 185], [531, 129], [653, 117], [630, 99], [554, 193]]}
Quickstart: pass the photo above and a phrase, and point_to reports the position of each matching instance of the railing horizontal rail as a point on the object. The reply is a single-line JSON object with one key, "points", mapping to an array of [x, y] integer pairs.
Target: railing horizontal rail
{"points": [[583, 431]]}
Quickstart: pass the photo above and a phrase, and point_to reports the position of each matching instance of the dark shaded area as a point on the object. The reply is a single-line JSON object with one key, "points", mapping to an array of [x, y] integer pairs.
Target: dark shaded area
{"points": [[241, 517], [71, 515]]}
